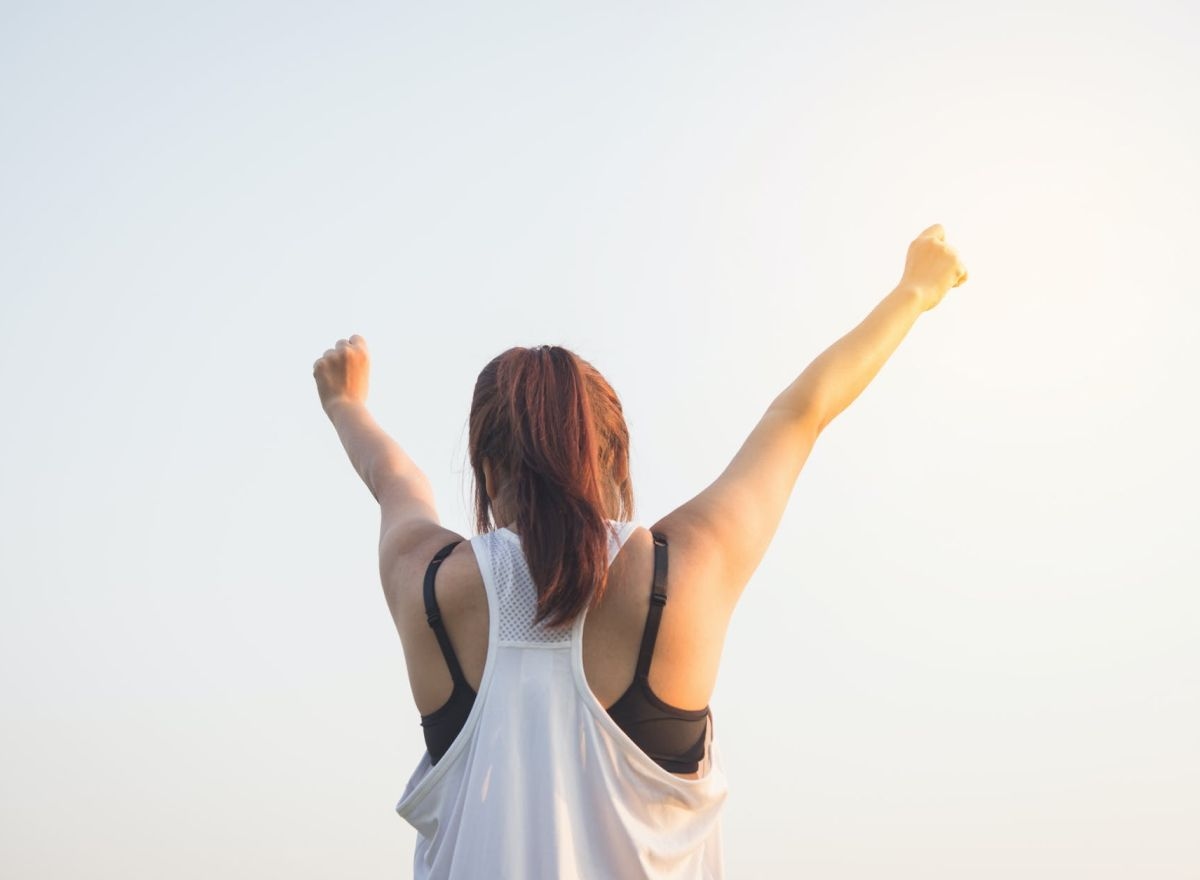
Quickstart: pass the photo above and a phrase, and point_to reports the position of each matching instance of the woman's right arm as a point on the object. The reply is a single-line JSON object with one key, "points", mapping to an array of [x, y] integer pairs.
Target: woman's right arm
{"points": [[733, 520]]}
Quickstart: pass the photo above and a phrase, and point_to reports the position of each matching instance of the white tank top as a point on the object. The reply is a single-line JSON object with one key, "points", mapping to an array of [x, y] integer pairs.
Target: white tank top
{"points": [[541, 782]]}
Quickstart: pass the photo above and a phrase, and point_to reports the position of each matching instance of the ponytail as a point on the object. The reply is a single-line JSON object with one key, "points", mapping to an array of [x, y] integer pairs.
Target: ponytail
{"points": [[554, 428]]}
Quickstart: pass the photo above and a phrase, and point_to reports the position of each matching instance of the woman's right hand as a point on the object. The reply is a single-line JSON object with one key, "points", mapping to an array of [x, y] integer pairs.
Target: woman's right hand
{"points": [[932, 266]]}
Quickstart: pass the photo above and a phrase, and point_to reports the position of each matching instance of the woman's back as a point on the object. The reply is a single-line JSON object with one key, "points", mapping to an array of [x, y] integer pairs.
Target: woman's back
{"points": [[541, 781], [687, 650]]}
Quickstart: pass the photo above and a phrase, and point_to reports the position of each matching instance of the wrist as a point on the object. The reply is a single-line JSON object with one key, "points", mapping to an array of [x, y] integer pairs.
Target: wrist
{"points": [[921, 297], [340, 403]]}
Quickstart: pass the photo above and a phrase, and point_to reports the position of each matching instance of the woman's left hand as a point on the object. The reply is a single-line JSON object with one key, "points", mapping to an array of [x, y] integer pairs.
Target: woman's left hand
{"points": [[341, 372]]}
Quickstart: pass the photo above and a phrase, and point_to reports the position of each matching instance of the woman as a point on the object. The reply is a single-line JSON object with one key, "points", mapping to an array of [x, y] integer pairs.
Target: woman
{"points": [[561, 667]]}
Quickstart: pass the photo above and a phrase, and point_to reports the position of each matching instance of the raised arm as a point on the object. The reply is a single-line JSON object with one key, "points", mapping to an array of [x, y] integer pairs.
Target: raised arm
{"points": [[407, 509], [728, 526]]}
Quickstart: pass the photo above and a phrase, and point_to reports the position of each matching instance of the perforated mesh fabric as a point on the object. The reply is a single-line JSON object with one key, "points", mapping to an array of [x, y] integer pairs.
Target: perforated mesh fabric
{"points": [[518, 595]]}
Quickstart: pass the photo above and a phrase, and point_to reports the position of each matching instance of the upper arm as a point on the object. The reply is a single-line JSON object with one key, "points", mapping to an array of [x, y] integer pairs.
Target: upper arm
{"points": [[408, 516], [731, 522]]}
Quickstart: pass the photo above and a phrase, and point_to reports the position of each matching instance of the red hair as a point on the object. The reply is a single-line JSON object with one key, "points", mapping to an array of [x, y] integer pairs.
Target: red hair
{"points": [[553, 428]]}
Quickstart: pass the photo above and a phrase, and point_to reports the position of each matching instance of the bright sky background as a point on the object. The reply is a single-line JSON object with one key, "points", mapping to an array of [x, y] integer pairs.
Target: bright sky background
{"points": [[972, 649]]}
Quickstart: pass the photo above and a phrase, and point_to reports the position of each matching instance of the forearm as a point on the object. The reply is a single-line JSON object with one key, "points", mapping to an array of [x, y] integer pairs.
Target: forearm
{"points": [[839, 374], [372, 452]]}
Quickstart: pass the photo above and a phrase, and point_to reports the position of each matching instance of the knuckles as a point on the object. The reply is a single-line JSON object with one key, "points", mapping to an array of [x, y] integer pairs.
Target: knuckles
{"points": [[344, 349]]}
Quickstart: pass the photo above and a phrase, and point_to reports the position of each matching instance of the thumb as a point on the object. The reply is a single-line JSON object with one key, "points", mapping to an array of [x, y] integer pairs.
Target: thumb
{"points": [[935, 231]]}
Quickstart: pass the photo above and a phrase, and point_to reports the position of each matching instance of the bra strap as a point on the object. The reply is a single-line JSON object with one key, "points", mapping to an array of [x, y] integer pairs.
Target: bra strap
{"points": [[658, 598], [434, 615]]}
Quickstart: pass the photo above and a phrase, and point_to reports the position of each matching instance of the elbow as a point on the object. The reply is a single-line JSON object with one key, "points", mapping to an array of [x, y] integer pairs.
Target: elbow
{"points": [[809, 413]]}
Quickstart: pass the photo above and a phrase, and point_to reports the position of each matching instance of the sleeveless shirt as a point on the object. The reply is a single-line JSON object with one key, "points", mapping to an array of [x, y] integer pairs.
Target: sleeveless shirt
{"points": [[541, 782], [674, 737]]}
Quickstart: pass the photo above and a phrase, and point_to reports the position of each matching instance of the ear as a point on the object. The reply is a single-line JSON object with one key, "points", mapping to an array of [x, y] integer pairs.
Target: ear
{"points": [[489, 478]]}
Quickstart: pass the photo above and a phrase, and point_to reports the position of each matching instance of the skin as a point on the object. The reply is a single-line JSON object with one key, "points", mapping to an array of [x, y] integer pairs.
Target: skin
{"points": [[716, 538]]}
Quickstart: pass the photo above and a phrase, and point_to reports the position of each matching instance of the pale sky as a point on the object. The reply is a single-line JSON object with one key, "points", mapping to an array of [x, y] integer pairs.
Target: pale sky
{"points": [[973, 648]]}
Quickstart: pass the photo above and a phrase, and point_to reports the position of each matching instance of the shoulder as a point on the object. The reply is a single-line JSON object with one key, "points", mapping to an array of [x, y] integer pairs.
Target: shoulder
{"points": [[688, 578], [694, 564], [402, 567]]}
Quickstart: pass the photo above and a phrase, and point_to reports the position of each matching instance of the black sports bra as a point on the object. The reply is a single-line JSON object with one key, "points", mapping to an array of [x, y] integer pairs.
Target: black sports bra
{"points": [[672, 737]]}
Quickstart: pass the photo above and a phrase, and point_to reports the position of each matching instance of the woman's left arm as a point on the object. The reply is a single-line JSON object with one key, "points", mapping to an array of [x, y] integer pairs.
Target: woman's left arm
{"points": [[403, 491]]}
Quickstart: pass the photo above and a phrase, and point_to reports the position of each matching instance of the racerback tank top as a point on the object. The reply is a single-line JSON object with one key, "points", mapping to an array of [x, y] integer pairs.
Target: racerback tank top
{"points": [[541, 782], [671, 736]]}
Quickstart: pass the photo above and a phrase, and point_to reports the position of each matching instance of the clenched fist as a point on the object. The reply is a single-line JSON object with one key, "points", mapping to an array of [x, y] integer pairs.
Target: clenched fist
{"points": [[341, 372], [932, 266]]}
